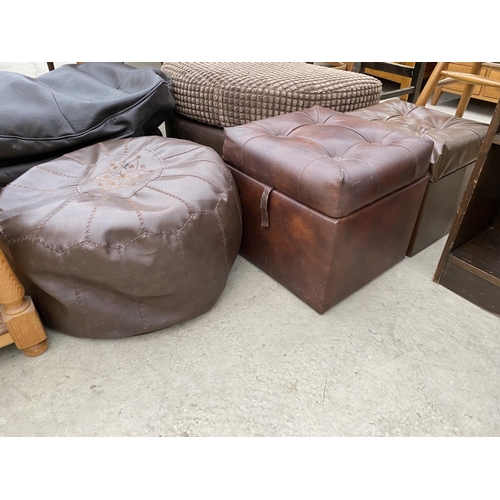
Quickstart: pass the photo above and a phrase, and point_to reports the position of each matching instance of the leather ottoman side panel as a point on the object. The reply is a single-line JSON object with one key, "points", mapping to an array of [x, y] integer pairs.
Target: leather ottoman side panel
{"points": [[372, 240], [180, 127], [295, 249], [321, 259]]}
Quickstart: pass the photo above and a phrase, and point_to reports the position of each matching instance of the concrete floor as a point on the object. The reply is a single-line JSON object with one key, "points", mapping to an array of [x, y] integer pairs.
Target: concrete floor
{"points": [[403, 356]]}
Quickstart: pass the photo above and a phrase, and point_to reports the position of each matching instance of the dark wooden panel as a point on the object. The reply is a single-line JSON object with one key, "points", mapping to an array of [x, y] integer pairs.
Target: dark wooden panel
{"points": [[484, 201], [390, 67], [480, 205], [482, 255], [471, 286]]}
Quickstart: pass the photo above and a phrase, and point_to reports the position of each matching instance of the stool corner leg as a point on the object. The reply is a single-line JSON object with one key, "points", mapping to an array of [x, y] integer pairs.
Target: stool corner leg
{"points": [[37, 349]]}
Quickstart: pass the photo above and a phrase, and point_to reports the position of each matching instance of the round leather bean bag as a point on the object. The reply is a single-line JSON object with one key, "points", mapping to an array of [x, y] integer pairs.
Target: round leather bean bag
{"points": [[123, 237]]}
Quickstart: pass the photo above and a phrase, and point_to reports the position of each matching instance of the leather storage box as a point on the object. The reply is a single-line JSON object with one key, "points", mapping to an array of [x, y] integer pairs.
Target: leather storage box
{"points": [[329, 201], [456, 146]]}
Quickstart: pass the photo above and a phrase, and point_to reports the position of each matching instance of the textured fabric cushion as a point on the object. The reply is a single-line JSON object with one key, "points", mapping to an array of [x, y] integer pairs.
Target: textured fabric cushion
{"points": [[333, 162], [225, 94], [457, 141], [125, 237], [74, 106]]}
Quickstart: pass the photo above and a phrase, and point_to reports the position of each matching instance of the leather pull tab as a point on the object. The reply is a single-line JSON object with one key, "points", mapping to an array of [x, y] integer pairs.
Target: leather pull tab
{"points": [[264, 200]]}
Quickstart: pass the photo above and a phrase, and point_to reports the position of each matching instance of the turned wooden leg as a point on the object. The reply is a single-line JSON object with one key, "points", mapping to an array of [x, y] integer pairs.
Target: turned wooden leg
{"points": [[19, 314]]}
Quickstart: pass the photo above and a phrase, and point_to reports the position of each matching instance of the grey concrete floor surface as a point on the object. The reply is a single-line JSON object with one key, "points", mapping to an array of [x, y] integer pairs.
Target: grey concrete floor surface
{"points": [[403, 356]]}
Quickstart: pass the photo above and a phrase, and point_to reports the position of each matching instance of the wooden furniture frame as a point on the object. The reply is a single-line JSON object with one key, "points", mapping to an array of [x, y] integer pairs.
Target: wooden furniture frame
{"points": [[442, 76], [489, 94], [19, 321], [470, 262], [409, 75]]}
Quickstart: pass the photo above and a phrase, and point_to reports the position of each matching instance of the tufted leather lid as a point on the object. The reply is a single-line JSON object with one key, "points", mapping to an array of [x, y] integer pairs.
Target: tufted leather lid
{"points": [[457, 140], [330, 161]]}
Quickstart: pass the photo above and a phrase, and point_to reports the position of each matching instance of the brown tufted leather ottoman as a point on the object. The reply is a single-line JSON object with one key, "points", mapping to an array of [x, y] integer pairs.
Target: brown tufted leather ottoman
{"points": [[329, 200], [212, 95], [457, 142], [123, 237]]}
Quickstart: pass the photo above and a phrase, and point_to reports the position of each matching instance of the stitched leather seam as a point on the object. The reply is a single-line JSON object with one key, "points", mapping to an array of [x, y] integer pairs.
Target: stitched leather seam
{"points": [[21, 186], [126, 274], [91, 217], [237, 201], [55, 212], [221, 227], [145, 232], [40, 167], [106, 152], [68, 155], [185, 271], [139, 214], [78, 296], [173, 196], [177, 154], [175, 176]]}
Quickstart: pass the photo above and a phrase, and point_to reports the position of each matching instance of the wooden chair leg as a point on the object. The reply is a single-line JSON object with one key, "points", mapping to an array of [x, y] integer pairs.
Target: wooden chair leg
{"points": [[436, 95], [431, 84], [19, 314], [467, 92]]}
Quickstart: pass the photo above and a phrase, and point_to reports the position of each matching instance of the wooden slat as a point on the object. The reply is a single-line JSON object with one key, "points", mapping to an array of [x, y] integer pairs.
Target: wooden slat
{"points": [[490, 65], [6, 339], [475, 270], [469, 78], [388, 67]]}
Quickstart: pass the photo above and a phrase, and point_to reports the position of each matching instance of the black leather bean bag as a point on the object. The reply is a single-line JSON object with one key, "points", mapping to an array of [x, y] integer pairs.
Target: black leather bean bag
{"points": [[75, 106]]}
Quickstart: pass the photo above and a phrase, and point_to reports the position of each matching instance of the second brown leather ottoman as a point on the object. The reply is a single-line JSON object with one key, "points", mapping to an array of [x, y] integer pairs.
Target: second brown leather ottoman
{"points": [[456, 146], [329, 200]]}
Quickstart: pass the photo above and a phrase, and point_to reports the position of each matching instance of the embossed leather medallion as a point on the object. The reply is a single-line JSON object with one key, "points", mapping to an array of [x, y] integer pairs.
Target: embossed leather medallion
{"points": [[122, 175]]}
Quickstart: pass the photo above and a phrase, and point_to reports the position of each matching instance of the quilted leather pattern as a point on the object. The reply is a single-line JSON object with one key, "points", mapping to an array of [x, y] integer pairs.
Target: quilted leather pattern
{"points": [[457, 140], [333, 162], [123, 237]]}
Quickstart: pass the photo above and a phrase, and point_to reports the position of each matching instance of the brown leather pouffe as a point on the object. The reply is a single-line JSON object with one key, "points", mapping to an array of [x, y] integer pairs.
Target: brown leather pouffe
{"points": [[456, 141], [124, 237], [329, 200]]}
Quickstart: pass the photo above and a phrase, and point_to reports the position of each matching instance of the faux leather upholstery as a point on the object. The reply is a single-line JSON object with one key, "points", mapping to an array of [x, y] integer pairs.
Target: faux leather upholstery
{"points": [[226, 94], [330, 161], [457, 141], [74, 106], [329, 201], [123, 237]]}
